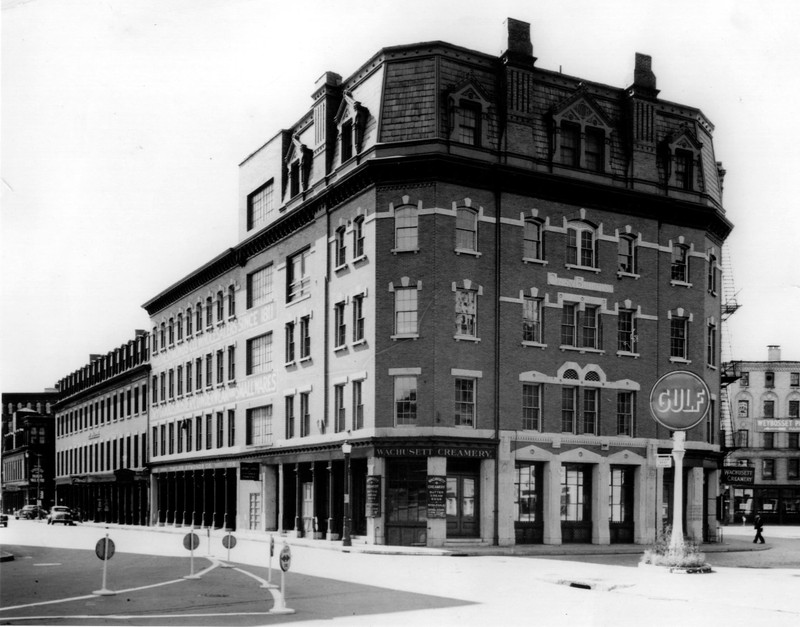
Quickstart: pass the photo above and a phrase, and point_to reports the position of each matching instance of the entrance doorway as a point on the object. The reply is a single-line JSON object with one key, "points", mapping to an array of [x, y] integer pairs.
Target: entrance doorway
{"points": [[462, 505]]}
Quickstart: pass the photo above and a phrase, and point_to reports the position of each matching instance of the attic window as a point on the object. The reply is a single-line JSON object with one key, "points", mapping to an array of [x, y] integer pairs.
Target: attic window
{"points": [[582, 135], [468, 128], [467, 110], [347, 140]]}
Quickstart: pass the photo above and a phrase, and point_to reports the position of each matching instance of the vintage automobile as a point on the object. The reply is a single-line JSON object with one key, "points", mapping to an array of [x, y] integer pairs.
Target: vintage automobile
{"points": [[60, 514], [3, 520], [29, 512]]}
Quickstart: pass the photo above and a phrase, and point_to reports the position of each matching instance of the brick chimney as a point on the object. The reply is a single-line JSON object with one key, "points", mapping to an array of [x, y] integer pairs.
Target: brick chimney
{"points": [[520, 48], [773, 352], [644, 80]]}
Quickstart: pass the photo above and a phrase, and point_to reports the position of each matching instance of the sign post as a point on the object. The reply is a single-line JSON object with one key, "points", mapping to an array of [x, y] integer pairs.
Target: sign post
{"points": [[285, 561], [679, 400], [228, 542], [104, 549], [190, 542]]}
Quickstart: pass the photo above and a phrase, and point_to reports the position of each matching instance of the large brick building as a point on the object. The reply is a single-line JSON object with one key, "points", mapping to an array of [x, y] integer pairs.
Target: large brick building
{"points": [[457, 278]]}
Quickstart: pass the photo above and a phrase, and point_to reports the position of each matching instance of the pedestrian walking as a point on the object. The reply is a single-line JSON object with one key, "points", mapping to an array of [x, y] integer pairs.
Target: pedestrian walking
{"points": [[759, 527]]}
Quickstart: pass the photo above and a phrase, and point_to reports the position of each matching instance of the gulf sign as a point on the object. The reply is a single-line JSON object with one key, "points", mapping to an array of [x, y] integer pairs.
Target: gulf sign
{"points": [[680, 400]]}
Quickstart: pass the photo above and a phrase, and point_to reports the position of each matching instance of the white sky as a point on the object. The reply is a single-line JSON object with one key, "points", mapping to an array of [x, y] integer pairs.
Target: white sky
{"points": [[124, 121]]}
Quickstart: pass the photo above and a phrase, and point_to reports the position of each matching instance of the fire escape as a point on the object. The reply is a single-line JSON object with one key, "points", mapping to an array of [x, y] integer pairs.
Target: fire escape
{"points": [[731, 370]]}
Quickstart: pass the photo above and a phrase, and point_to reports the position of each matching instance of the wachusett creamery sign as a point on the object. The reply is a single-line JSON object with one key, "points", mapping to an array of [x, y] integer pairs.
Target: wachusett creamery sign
{"points": [[778, 424]]}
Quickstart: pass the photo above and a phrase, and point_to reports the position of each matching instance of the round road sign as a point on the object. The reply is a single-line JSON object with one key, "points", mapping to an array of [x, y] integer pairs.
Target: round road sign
{"points": [[680, 400], [191, 541], [229, 541], [271, 546], [285, 558], [104, 549]]}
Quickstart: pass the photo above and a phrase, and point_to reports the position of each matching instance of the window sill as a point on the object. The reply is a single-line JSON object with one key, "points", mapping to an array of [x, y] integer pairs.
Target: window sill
{"points": [[711, 367], [305, 359], [466, 338], [533, 260], [395, 251], [631, 275], [405, 336], [571, 266], [466, 251], [534, 344], [232, 383], [340, 268], [360, 342], [360, 259], [628, 354], [675, 283], [679, 360], [290, 364], [298, 299], [582, 350], [340, 349]]}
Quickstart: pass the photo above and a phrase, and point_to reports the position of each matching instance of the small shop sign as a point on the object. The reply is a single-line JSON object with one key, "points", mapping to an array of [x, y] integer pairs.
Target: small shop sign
{"points": [[437, 496]]}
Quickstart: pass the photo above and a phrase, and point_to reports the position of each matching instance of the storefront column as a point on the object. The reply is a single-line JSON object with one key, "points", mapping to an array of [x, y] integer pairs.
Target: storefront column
{"points": [[505, 496], [712, 495], [268, 498], [437, 527], [376, 467], [694, 503], [331, 535], [601, 512], [552, 502], [644, 506], [280, 498], [298, 502]]}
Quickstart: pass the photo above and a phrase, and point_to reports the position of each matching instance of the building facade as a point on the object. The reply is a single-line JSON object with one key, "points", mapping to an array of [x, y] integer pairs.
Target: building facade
{"points": [[28, 446], [458, 277], [762, 470], [101, 436]]}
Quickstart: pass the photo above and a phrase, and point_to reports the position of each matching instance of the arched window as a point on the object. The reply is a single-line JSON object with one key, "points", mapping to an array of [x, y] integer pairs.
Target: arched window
{"points": [[581, 245], [466, 229]]}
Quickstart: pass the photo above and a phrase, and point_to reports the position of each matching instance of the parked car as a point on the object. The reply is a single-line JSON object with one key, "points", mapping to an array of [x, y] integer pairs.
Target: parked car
{"points": [[30, 512], [3, 520], [60, 514]]}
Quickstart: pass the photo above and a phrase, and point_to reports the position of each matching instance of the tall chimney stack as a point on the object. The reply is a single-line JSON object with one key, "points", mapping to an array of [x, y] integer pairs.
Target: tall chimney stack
{"points": [[773, 352]]}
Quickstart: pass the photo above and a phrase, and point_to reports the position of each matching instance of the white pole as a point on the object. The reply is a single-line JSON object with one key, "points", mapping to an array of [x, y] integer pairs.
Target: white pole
{"points": [[676, 541], [105, 561]]}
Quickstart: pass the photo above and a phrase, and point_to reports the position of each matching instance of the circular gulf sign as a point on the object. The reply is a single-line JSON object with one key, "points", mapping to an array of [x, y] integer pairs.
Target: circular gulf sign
{"points": [[680, 400], [229, 541]]}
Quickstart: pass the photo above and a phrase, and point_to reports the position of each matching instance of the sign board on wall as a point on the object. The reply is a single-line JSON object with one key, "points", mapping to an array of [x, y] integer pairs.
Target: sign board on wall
{"points": [[437, 496], [373, 505], [738, 475], [249, 472], [778, 424]]}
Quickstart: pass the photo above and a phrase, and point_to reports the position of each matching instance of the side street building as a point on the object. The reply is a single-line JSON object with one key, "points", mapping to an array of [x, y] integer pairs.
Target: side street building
{"points": [[766, 429], [101, 436], [458, 277], [28, 445]]}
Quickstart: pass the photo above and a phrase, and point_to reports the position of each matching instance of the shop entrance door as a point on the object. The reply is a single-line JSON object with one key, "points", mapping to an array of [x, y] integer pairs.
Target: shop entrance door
{"points": [[462, 505]]}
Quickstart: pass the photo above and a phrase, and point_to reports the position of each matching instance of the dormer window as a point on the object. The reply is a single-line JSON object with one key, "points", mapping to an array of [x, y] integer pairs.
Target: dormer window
{"points": [[351, 119], [681, 155], [297, 168], [347, 140], [582, 135], [468, 108]]}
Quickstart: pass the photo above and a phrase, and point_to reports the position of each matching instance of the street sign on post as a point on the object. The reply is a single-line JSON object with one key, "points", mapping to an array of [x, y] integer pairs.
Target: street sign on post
{"points": [[104, 549], [285, 558], [190, 542]]}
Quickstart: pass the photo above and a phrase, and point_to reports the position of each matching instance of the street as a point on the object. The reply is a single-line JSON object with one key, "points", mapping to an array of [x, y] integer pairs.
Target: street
{"points": [[55, 571]]}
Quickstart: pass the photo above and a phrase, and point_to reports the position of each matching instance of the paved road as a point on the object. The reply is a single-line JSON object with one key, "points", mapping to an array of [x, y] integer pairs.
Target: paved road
{"points": [[152, 590]]}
